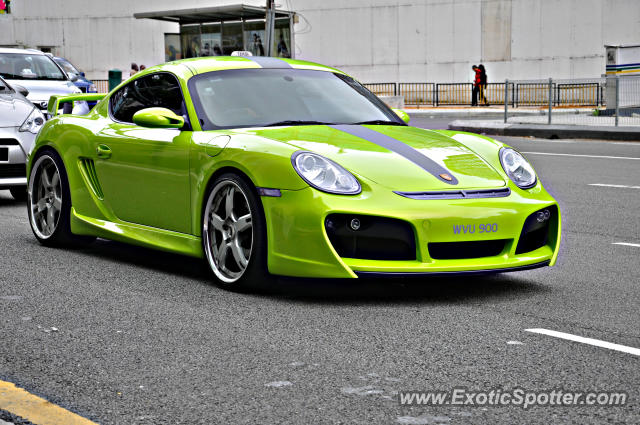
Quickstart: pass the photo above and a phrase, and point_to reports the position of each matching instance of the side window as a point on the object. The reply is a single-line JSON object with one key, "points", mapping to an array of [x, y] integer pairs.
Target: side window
{"points": [[156, 90]]}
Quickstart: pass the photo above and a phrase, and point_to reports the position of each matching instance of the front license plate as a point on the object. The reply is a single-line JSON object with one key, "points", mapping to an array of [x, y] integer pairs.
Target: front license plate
{"points": [[4, 154], [481, 228]]}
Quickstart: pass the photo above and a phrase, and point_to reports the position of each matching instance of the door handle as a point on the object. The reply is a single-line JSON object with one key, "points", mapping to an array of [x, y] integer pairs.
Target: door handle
{"points": [[103, 151]]}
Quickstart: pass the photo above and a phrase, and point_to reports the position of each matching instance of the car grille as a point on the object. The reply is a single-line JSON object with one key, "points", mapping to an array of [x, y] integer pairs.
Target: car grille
{"points": [[463, 250], [535, 234], [8, 142], [13, 170], [376, 238]]}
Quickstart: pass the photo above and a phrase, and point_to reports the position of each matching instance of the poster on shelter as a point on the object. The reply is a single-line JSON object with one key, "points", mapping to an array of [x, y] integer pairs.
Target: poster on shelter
{"points": [[172, 48]]}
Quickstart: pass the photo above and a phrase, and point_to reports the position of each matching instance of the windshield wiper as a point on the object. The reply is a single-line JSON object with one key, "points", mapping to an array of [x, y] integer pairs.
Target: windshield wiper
{"points": [[378, 122], [296, 122]]}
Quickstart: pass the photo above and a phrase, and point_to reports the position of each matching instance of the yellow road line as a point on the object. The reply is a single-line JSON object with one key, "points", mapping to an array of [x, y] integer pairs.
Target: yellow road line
{"points": [[35, 409]]}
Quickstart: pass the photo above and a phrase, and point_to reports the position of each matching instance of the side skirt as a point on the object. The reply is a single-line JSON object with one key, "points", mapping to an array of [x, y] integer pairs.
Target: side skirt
{"points": [[137, 234]]}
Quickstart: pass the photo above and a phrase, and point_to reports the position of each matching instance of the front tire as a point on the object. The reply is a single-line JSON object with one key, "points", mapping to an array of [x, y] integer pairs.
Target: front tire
{"points": [[234, 234], [49, 202]]}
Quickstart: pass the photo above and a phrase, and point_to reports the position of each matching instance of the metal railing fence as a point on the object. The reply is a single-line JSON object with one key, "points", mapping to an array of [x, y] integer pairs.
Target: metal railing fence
{"points": [[609, 101], [453, 93], [102, 86], [417, 94], [576, 92], [382, 89]]}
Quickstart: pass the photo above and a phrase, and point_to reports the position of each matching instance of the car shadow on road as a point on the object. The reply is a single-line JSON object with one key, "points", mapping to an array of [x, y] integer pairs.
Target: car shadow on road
{"points": [[412, 290], [10, 202], [336, 291]]}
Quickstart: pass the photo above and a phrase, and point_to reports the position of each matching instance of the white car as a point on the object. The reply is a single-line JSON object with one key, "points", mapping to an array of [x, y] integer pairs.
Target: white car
{"points": [[40, 75], [20, 121]]}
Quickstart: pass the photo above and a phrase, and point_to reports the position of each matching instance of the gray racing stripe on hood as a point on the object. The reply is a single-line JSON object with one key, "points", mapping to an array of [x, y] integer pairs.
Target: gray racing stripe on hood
{"points": [[269, 62], [400, 148]]}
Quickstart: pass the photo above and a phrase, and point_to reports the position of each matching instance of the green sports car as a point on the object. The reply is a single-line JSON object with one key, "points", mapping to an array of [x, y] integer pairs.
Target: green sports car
{"points": [[268, 166]]}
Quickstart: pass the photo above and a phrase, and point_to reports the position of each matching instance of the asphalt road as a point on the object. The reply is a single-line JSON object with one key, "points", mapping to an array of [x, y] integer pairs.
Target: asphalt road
{"points": [[144, 337]]}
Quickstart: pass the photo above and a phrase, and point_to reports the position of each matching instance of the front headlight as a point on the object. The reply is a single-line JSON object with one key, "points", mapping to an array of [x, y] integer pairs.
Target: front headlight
{"points": [[324, 174], [34, 122], [517, 168]]}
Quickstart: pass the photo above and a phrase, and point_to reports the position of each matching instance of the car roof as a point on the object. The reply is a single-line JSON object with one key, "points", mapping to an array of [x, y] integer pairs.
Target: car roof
{"points": [[187, 68], [21, 51]]}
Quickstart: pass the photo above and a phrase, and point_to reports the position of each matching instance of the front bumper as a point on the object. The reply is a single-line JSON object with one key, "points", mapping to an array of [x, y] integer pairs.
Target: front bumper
{"points": [[299, 244], [14, 146]]}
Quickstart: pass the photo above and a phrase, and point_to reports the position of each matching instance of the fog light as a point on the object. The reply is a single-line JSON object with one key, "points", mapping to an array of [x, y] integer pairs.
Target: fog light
{"points": [[540, 216], [355, 224], [547, 214]]}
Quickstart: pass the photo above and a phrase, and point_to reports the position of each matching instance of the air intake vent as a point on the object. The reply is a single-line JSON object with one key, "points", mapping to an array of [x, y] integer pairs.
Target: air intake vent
{"points": [[89, 171], [13, 170], [462, 250], [8, 142], [458, 194]]}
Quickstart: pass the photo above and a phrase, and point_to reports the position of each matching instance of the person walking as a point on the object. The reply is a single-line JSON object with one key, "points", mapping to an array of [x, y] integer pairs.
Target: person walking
{"points": [[476, 85], [134, 69], [483, 85]]}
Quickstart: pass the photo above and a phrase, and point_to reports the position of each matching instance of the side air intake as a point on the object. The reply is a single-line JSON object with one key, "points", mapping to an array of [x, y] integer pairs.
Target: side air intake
{"points": [[89, 170]]}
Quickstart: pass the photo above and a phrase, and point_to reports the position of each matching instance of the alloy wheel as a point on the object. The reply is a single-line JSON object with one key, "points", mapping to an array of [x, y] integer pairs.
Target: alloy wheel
{"points": [[228, 231], [45, 197]]}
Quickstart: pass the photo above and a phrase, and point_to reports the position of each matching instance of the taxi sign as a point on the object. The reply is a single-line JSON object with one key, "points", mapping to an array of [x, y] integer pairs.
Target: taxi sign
{"points": [[241, 53]]}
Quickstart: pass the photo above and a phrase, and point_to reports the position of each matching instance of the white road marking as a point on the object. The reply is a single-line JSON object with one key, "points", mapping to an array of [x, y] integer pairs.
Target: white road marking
{"points": [[583, 156], [590, 341], [637, 245], [622, 186]]}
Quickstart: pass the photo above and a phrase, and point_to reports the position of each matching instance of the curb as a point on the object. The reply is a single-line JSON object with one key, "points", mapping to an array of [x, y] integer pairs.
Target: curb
{"points": [[486, 112], [548, 131]]}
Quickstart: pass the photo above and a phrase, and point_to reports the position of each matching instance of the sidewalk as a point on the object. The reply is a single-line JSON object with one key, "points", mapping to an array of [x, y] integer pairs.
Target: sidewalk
{"points": [[483, 111], [570, 123], [553, 131]]}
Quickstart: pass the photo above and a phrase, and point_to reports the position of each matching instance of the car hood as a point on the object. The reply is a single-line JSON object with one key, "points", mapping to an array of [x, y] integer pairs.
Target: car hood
{"points": [[14, 110], [359, 150], [42, 90]]}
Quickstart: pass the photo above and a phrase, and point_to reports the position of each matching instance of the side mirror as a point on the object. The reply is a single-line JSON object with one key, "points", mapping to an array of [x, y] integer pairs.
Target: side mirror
{"points": [[73, 78], [402, 115], [158, 118], [23, 91]]}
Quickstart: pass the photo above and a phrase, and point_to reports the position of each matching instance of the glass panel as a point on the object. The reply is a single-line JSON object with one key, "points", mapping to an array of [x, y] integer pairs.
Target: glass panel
{"points": [[157, 90], [253, 36], [190, 37], [282, 39], [231, 37], [211, 40], [17, 66], [258, 97], [172, 48]]}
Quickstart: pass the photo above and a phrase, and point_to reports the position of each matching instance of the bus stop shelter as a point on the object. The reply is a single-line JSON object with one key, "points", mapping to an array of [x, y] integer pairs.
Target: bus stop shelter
{"points": [[215, 31]]}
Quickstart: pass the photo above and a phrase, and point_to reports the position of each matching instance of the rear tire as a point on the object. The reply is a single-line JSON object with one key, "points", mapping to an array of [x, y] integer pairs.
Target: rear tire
{"points": [[234, 234], [49, 202], [19, 193]]}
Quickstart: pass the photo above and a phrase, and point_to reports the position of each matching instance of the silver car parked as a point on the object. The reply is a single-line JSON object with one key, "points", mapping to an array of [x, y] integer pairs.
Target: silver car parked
{"points": [[20, 121], [38, 73]]}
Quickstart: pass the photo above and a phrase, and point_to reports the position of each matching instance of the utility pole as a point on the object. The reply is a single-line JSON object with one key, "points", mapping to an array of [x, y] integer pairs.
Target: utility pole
{"points": [[269, 26]]}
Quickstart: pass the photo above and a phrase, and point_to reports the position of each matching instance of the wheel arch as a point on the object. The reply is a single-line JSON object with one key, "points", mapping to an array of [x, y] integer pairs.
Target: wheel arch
{"points": [[207, 187]]}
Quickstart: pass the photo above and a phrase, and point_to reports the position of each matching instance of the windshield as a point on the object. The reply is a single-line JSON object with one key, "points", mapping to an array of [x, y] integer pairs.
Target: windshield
{"points": [[263, 97], [67, 66], [19, 66]]}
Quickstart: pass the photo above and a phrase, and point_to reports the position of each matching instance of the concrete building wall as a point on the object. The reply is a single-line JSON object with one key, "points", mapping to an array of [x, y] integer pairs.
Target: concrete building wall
{"points": [[374, 40]]}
